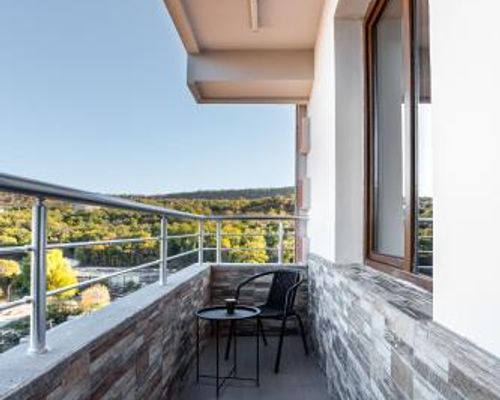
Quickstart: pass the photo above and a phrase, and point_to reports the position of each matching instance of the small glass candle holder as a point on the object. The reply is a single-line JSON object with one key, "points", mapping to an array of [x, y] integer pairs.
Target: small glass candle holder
{"points": [[230, 305]]}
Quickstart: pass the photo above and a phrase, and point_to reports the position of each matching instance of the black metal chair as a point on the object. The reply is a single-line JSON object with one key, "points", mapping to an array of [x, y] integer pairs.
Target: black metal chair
{"points": [[279, 306]]}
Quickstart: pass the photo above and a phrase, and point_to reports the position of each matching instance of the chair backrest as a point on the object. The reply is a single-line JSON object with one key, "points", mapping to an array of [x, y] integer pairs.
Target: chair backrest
{"points": [[282, 281]]}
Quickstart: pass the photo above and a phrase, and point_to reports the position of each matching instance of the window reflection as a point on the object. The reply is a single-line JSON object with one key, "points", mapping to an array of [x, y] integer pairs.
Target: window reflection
{"points": [[389, 143]]}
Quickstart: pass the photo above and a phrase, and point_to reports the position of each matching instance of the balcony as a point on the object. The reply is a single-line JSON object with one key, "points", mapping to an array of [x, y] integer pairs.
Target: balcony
{"points": [[372, 335], [143, 343]]}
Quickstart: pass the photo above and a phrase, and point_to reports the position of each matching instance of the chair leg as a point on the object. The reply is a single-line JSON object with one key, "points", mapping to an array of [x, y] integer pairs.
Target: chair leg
{"points": [[261, 328], [229, 339], [302, 333], [280, 345]]}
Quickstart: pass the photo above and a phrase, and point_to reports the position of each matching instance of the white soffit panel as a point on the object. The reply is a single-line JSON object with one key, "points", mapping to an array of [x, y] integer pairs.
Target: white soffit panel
{"points": [[227, 24]]}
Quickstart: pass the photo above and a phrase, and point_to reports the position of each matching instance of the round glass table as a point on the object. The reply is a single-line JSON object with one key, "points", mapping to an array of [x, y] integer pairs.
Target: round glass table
{"points": [[217, 315]]}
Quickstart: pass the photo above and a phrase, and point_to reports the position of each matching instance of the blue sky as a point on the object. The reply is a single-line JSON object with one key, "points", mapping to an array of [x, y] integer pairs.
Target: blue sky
{"points": [[93, 95]]}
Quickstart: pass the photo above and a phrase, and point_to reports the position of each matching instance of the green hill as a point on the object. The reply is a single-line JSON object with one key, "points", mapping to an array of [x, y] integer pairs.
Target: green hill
{"points": [[229, 194]]}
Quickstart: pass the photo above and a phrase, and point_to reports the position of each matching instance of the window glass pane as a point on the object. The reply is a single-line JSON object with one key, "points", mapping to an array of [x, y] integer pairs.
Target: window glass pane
{"points": [[389, 195], [423, 138]]}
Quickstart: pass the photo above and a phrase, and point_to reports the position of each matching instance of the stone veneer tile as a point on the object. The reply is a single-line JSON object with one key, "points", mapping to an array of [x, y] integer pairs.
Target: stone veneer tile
{"points": [[402, 374], [469, 387], [429, 352], [422, 390]]}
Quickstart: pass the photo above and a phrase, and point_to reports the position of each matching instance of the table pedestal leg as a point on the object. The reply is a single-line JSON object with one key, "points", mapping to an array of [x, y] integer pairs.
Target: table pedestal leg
{"points": [[257, 361], [235, 360], [197, 350], [217, 357]]}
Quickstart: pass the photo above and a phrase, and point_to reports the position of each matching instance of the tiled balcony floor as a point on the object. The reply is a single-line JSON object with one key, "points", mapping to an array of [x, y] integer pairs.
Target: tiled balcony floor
{"points": [[299, 377]]}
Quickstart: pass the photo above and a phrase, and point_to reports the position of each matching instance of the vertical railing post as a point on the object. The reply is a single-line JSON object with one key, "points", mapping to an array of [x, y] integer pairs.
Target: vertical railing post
{"points": [[280, 242], [218, 235], [301, 241], [297, 244], [38, 325], [163, 250], [201, 241]]}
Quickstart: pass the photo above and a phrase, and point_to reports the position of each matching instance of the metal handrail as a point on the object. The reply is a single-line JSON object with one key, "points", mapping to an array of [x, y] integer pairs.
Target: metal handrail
{"points": [[15, 303], [30, 187], [277, 234], [39, 246], [74, 245], [246, 234], [248, 248], [186, 253], [184, 236], [254, 248], [15, 249], [255, 217], [90, 282], [250, 234]]}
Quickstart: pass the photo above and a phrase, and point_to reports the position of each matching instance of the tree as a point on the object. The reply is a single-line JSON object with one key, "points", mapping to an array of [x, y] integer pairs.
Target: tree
{"points": [[94, 298], [9, 270], [60, 273], [244, 249]]}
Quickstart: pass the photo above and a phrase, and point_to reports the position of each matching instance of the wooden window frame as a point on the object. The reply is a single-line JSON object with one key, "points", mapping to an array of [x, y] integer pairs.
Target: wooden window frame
{"points": [[401, 267]]}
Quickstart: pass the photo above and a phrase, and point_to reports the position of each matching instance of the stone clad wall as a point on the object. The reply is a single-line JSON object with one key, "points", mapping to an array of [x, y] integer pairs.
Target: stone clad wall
{"points": [[141, 349], [376, 340]]}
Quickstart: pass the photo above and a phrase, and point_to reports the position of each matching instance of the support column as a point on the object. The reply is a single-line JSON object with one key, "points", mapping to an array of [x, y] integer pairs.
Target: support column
{"points": [[302, 147], [163, 251], [280, 242], [38, 326], [218, 234], [201, 240]]}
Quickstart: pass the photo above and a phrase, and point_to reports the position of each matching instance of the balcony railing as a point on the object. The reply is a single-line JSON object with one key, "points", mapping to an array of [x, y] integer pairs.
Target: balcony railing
{"points": [[38, 248]]}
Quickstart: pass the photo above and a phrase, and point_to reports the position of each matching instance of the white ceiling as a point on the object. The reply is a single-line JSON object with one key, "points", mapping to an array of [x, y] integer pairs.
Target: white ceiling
{"points": [[225, 24]]}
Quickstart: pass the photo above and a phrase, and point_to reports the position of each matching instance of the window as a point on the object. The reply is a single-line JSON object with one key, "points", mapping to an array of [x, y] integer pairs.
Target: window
{"points": [[399, 182]]}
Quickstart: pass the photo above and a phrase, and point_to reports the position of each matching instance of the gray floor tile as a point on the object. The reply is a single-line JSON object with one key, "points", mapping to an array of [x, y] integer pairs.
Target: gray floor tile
{"points": [[299, 378]]}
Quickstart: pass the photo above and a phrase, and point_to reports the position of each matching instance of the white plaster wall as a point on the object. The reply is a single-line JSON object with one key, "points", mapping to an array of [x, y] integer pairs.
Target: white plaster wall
{"points": [[321, 159], [349, 140], [336, 109], [465, 63]]}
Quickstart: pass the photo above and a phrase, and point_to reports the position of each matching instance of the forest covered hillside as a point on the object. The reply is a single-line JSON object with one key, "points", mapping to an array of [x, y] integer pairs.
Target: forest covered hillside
{"points": [[70, 223], [10, 199]]}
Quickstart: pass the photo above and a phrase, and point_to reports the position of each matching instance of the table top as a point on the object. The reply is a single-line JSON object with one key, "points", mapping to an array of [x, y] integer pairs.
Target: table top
{"points": [[220, 313]]}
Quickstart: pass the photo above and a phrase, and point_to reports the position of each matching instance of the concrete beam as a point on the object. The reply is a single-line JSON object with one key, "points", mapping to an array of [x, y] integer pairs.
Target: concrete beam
{"points": [[252, 76]]}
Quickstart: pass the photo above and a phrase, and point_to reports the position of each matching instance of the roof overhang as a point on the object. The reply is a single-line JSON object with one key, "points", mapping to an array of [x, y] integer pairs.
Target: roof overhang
{"points": [[248, 51]]}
